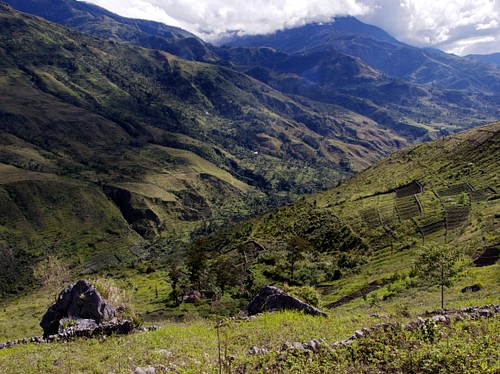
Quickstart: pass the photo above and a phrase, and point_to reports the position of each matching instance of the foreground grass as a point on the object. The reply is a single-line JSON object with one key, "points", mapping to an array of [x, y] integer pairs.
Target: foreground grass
{"points": [[193, 346], [466, 346]]}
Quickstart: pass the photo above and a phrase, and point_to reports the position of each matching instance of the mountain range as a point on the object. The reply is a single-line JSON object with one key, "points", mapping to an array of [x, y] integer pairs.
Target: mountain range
{"points": [[117, 133]]}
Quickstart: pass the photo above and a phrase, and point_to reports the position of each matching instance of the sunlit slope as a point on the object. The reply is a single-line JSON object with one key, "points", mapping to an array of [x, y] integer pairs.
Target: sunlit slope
{"points": [[368, 231]]}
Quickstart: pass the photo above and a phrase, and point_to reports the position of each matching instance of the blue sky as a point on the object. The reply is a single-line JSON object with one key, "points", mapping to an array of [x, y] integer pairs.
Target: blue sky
{"points": [[459, 26]]}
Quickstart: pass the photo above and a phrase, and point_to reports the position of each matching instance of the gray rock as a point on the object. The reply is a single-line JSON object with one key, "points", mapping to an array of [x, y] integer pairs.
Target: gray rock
{"points": [[313, 345], [347, 341], [79, 324], [439, 318], [271, 298], [358, 334], [484, 312], [192, 298], [80, 301], [473, 288], [298, 346], [148, 370]]}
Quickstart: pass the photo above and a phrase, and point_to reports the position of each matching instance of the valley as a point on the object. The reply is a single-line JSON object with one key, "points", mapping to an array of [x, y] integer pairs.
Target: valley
{"points": [[329, 160]]}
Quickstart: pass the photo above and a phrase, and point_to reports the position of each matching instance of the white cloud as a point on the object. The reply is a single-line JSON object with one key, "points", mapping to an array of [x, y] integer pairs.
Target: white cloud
{"points": [[211, 18], [460, 26]]}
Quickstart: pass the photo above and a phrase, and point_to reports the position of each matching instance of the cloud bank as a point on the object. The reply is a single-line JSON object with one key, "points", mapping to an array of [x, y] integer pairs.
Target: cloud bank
{"points": [[457, 26]]}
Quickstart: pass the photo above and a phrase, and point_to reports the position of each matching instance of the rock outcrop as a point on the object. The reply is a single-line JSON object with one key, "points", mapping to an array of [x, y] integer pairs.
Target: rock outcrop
{"points": [[270, 299], [80, 301]]}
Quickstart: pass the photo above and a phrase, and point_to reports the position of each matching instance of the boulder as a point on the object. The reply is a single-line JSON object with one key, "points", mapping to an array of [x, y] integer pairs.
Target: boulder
{"points": [[80, 301], [271, 298], [473, 288], [192, 298]]}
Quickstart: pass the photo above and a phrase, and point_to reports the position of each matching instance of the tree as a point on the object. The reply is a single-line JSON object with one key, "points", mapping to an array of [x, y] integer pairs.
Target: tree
{"points": [[296, 248], [175, 275], [196, 263], [438, 263]]}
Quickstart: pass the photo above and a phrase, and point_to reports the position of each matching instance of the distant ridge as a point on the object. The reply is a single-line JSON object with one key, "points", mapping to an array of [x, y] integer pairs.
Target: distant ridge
{"points": [[97, 21], [493, 58]]}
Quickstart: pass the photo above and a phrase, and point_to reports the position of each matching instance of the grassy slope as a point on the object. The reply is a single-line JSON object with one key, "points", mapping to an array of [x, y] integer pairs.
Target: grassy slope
{"points": [[192, 346], [360, 227], [470, 346], [470, 157]]}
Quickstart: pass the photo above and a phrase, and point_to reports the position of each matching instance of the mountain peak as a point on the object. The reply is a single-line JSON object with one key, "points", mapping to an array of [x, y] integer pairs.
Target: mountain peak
{"points": [[349, 24], [315, 36]]}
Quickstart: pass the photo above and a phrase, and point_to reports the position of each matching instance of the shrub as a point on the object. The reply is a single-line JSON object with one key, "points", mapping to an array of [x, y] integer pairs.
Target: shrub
{"points": [[304, 293], [115, 296]]}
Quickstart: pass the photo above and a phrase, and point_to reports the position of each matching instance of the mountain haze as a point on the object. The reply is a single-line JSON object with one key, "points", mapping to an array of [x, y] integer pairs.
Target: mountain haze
{"points": [[493, 58], [441, 87]]}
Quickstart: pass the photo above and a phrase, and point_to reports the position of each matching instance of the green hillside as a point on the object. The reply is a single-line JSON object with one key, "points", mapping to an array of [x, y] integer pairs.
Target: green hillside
{"points": [[164, 147], [368, 232], [378, 308]]}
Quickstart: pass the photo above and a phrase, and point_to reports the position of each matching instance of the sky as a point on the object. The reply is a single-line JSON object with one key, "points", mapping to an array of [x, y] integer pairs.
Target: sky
{"points": [[456, 26]]}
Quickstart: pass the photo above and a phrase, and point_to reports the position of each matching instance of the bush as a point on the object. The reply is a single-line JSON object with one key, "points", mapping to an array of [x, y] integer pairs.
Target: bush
{"points": [[116, 296], [304, 293]]}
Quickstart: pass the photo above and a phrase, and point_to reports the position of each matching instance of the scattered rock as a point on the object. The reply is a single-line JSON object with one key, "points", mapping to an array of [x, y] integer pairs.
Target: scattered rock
{"points": [[257, 351], [165, 352], [473, 288], [80, 301], [192, 298], [270, 299], [485, 312], [298, 346], [358, 334], [148, 370], [76, 324], [315, 345], [439, 318]]}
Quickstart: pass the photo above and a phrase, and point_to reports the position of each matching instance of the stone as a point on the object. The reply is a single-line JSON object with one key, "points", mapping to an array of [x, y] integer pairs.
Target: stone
{"points": [[71, 324], [312, 345], [298, 346], [257, 351], [270, 299], [192, 298], [485, 312], [473, 288], [439, 318], [148, 370], [80, 301], [347, 341]]}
